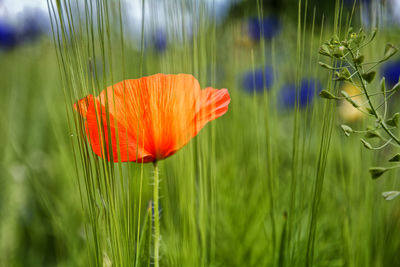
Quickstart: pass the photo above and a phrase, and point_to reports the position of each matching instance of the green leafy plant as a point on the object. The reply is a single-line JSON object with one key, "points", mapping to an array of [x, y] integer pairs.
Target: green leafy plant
{"points": [[350, 67]]}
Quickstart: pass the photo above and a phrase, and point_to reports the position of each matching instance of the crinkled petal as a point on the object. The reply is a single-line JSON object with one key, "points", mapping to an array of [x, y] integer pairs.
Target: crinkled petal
{"points": [[154, 116]]}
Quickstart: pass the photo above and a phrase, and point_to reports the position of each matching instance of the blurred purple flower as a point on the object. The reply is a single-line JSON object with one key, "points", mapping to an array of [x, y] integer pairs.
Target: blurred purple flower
{"points": [[358, 2], [308, 89], [8, 36], [256, 80], [34, 25], [160, 40], [391, 72], [268, 27], [28, 26]]}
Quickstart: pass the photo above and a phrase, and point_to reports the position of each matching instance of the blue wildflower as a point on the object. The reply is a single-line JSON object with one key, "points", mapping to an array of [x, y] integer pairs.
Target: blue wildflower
{"points": [[34, 25], [308, 89], [160, 41], [391, 72], [268, 28], [358, 2], [8, 36], [257, 80]]}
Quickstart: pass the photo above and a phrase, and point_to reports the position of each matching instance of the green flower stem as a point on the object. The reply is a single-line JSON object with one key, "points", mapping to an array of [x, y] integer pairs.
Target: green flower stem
{"points": [[156, 218], [382, 123]]}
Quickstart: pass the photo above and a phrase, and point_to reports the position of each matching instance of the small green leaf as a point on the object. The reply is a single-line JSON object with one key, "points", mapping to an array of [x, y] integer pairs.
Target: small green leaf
{"points": [[383, 85], [396, 87], [394, 120], [372, 134], [345, 73], [346, 129], [338, 77], [370, 111], [345, 94], [324, 50], [358, 60], [345, 44], [390, 50], [326, 66], [348, 99], [335, 39], [374, 31], [369, 77], [376, 172], [395, 158], [338, 52], [366, 144], [359, 37], [327, 95], [389, 195]]}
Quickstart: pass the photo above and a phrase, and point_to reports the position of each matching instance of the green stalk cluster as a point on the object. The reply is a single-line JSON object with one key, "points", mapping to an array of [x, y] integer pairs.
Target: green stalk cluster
{"points": [[350, 67]]}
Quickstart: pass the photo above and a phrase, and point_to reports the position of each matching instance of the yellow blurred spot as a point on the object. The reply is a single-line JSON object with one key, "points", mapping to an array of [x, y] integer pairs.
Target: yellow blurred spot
{"points": [[347, 112], [244, 41]]}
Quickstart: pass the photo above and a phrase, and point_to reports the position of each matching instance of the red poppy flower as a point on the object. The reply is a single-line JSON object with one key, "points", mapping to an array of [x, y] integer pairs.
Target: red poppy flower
{"points": [[149, 118]]}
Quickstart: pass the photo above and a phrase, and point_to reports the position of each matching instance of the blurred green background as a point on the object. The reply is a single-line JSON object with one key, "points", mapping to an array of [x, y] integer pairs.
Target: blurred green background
{"points": [[242, 192]]}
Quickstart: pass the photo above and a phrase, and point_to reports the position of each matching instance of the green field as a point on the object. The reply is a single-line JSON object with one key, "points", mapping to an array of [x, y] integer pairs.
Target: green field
{"points": [[263, 185]]}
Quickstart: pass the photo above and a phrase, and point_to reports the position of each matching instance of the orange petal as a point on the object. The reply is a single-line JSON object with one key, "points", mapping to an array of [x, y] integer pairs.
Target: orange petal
{"points": [[97, 132], [159, 108], [83, 104], [157, 115], [213, 104]]}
